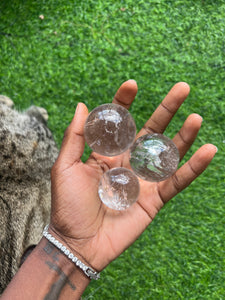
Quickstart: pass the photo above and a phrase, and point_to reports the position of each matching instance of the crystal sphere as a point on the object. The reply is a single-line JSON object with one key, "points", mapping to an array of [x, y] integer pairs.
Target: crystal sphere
{"points": [[154, 157], [119, 188], [109, 129]]}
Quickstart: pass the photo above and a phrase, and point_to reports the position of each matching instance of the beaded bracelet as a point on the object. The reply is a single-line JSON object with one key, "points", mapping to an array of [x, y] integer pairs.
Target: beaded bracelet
{"points": [[88, 271]]}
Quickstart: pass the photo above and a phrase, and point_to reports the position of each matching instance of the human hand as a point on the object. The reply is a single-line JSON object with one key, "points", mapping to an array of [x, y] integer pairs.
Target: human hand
{"points": [[94, 232]]}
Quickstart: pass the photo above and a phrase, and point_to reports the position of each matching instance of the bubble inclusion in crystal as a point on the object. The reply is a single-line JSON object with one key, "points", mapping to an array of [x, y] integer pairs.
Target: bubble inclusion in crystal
{"points": [[110, 129], [154, 157], [119, 188]]}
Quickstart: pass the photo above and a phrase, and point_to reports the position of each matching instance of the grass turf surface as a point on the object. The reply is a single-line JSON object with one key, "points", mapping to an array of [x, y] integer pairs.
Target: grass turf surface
{"points": [[83, 52]]}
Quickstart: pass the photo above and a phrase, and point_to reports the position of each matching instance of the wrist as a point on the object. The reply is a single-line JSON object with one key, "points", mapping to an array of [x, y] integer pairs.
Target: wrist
{"points": [[69, 281], [47, 272], [85, 249], [86, 268]]}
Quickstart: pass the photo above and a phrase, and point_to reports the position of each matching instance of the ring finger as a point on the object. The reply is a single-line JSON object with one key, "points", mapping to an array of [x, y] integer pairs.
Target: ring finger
{"points": [[187, 134]]}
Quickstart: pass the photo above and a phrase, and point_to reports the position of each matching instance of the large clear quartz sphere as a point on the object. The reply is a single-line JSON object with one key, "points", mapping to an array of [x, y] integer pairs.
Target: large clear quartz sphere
{"points": [[119, 188], [109, 129], [154, 157]]}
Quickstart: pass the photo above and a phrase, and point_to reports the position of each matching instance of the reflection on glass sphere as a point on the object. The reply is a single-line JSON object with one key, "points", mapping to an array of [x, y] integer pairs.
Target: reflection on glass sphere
{"points": [[154, 157], [110, 129], [119, 188]]}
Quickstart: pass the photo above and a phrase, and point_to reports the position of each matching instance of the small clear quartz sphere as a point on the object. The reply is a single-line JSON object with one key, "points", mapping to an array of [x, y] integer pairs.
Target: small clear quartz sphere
{"points": [[154, 157], [119, 188], [110, 129]]}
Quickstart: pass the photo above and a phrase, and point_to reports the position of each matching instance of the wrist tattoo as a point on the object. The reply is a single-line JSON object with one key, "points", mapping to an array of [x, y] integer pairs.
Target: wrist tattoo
{"points": [[57, 286], [50, 250]]}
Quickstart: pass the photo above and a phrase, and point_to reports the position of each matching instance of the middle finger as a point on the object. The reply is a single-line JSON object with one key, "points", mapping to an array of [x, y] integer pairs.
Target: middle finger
{"points": [[166, 110]]}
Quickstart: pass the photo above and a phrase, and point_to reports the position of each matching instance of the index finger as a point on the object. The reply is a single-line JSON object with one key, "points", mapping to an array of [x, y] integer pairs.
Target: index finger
{"points": [[126, 93]]}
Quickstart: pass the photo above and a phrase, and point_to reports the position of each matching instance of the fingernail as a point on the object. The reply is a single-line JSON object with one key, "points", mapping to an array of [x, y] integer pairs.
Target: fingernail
{"points": [[200, 117], [132, 80]]}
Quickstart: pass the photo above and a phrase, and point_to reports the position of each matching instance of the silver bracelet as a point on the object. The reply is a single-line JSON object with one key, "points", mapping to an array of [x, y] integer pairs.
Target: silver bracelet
{"points": [[88, 271]]}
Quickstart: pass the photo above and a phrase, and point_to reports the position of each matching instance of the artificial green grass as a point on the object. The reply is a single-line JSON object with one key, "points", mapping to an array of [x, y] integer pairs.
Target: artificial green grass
{"points": [[83, 52]]}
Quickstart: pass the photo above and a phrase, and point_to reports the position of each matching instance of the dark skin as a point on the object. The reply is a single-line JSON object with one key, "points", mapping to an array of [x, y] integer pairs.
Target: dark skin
{"points": [[94, 233], [77, 213]]}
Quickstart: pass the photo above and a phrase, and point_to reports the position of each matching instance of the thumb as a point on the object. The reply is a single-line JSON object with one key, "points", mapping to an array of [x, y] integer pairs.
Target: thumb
{"points": [[73, 141]]}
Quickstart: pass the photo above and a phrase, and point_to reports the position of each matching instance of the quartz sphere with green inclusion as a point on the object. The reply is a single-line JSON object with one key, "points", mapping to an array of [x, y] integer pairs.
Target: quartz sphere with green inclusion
{"points": [[154, 157]]}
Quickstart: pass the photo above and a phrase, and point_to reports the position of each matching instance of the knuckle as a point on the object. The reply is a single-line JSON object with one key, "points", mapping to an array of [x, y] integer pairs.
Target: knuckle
{"points": [[149, 128], [176, 183]]}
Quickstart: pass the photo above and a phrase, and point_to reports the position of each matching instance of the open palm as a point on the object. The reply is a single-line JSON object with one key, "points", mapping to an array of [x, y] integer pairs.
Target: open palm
{"points": [[90, 229]]}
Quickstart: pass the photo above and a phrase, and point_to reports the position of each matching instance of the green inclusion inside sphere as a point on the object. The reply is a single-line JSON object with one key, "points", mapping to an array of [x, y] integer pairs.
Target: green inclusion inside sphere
{"points": [[154, 157]]}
